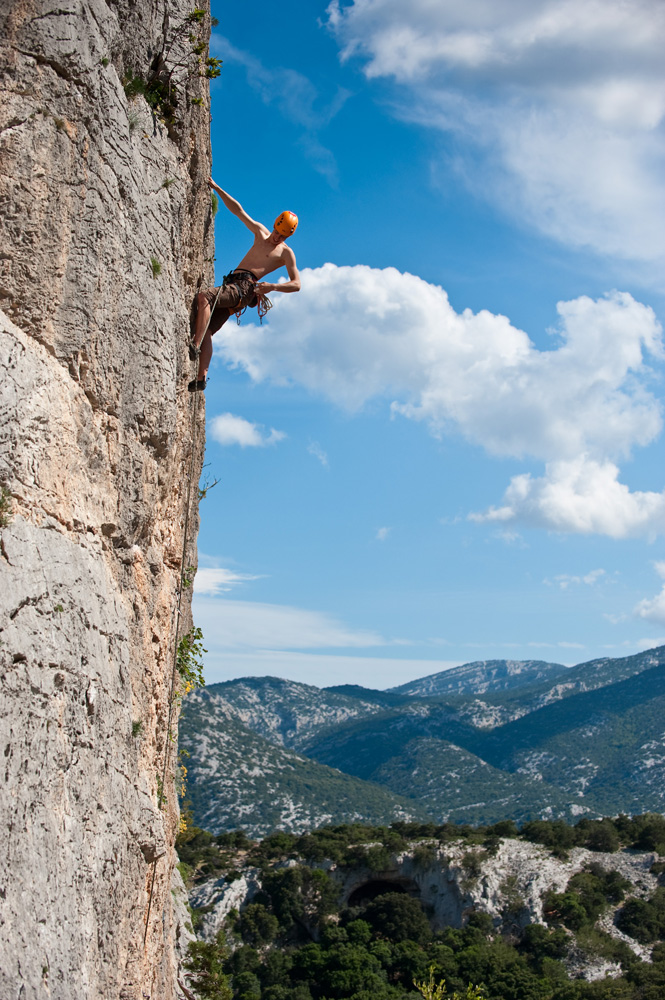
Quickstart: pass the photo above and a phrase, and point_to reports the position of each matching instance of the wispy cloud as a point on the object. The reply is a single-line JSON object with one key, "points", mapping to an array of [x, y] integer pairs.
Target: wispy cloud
{"points": [[293, 96], [315, 449], [382, 534], [229, 429], [564, 580], [556, 106], [232, 624], [215, 581]]}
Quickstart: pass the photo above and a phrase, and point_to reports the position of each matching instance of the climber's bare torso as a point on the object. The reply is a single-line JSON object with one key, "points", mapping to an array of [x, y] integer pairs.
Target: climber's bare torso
{"points": [[268, 253]]}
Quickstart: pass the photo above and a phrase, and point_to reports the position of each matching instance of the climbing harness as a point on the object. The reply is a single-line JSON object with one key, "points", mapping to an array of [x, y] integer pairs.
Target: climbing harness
{"points": [[263, 303], [176, 627]]}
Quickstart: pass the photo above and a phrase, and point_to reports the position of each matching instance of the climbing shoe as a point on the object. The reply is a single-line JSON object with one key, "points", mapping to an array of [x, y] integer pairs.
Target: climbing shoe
{"points": [[197, 385], [194, 351]]}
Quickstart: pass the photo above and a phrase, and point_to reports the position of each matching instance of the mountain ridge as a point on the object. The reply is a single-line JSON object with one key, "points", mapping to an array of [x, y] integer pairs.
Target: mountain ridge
{"points": [[559, 741]]}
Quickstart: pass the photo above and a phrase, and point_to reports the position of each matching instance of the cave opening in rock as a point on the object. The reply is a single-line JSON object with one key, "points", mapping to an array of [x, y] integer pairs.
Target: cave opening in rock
{"points": [[368, 891]]}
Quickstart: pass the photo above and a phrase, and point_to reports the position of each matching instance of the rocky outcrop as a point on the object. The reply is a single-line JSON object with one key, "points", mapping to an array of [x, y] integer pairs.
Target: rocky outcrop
{"points": [[510, 885], [105, 234]]}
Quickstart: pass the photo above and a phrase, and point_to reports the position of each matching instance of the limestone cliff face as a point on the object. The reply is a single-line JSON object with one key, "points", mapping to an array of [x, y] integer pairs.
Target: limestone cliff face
{"points": [[96, 442]]}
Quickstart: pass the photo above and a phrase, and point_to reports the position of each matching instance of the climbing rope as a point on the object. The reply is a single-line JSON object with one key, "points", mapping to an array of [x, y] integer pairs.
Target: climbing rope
{"points": [[263, 305], [176, 627]]}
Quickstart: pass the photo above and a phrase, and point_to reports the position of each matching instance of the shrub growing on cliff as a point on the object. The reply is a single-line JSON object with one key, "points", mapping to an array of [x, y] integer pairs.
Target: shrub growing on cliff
{"points": [[586, 896], [182, 58], [189, 660], [5, 507]]}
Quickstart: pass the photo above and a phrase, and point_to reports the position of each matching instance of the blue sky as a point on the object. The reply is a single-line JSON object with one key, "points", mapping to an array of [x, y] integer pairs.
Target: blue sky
{"points": [[448, 446]]}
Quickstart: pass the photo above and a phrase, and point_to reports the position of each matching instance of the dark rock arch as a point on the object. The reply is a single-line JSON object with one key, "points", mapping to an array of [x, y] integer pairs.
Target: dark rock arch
{"points": [[368, 890]]}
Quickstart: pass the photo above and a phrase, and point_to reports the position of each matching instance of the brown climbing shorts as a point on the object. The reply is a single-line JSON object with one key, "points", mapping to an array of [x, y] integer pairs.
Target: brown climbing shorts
{"points": [[236, 292]]}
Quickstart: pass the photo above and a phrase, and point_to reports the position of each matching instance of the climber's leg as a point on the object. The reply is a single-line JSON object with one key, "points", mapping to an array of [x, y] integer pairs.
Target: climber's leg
{"points": [[205, 356], [202, 318]]}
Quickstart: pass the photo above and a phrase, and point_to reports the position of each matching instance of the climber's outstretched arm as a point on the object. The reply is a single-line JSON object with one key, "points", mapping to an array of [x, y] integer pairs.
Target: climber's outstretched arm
{"points": [[257, 228]]}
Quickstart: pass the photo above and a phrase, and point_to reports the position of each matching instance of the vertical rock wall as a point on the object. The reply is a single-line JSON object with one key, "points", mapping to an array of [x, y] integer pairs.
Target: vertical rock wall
{"points": [[96, 195]]}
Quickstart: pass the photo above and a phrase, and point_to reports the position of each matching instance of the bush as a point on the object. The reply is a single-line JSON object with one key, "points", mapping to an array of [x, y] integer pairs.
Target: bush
{"points": [[398, 917], [542, 942], [5, 507], [602, 836], [586, 896], [472, 862], [256, 925], [644, 919], [651, 835]]}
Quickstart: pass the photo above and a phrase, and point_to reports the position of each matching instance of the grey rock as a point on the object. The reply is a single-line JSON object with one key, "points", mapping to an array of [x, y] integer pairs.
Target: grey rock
{"points": [[98, 443]]}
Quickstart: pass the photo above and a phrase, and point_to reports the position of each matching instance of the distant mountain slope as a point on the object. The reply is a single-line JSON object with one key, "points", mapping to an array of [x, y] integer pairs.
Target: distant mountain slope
{"points": [[481, 677], [589, 676], [455, 785], [239, 779], [286, 712], [600, 751], [586, 740], [362, 746], [606, 746]]}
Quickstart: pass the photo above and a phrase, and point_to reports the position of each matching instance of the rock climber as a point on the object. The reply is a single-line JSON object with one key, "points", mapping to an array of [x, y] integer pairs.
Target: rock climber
{"points": [[243, 287]]}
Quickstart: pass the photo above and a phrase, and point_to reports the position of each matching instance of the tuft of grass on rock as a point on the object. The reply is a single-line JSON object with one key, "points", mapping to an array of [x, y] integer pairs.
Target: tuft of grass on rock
{"points": [[155, 267], [133, 120]]}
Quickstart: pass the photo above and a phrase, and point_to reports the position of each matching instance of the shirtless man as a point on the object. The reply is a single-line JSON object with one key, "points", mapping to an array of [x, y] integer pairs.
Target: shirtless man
{"points": [[243, 287]]}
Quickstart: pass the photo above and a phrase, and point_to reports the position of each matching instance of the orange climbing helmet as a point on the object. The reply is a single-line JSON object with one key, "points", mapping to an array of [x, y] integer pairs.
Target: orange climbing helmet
{"points": [[286, 223]]}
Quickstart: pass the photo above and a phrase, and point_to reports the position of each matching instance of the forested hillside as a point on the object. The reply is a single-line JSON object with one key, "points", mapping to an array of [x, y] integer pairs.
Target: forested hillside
{"points": [[554, 912]]}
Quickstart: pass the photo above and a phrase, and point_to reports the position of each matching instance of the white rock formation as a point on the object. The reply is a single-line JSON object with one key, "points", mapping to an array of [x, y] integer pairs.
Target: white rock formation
{"points": [[95, 446], [222, 897]]}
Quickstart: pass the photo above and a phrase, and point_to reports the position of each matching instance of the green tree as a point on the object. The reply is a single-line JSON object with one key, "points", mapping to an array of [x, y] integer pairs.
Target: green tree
{"points": [[644, 919], [257, 925], [205, 970], [398, 917], [246, 986], [431, 989]]}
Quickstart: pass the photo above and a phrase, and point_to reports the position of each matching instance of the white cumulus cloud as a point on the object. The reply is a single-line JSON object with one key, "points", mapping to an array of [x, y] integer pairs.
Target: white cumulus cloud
{"points": [[357, 333], [557, 106], [582, 496], [228, 429]]}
